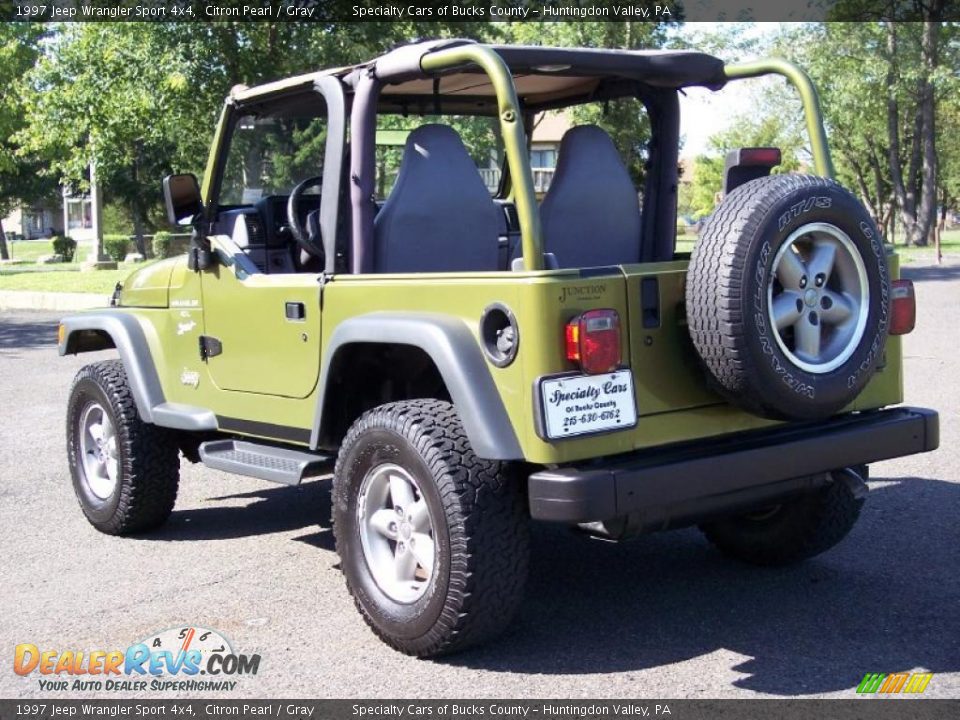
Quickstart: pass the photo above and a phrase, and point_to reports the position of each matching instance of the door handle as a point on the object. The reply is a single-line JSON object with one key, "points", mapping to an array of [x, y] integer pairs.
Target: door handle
{"points": [[295, 311]]}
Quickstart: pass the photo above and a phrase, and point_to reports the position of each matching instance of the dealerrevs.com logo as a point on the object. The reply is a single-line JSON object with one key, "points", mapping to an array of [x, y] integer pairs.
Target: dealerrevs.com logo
{"points": [[178, 659]]}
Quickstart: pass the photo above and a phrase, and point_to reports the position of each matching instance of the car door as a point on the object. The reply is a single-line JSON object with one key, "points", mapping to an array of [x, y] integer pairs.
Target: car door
{"points": [[261, 332], [261, 311]]}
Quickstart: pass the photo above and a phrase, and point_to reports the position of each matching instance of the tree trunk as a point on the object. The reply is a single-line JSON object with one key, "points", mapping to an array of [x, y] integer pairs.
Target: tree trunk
{"points": [[4, 254], [944, 203], [136, 208], [893, 131], [927, 210]]}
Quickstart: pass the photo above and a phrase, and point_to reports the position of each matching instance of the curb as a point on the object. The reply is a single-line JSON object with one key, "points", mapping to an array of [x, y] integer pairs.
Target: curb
{"points": [[55, 301]]}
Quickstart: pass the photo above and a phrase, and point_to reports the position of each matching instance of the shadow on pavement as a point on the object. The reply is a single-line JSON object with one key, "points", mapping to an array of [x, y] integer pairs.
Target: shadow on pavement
{"points": [[272, 510], [18, 334], [942, 273], [884, 600]]}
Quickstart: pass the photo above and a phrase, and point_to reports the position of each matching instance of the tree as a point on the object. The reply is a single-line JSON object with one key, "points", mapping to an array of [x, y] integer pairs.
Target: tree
{"points": [[748, 130], [883, 82], [916, 194], [846, 62], [110, 95], [20, 178], [141, 99]]}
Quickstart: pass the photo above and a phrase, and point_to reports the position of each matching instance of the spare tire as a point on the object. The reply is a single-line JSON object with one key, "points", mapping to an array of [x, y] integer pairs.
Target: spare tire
{"points": [[788, 297]]}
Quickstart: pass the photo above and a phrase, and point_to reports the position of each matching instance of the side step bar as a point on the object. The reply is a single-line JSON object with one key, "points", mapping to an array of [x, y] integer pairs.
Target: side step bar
{"points": [[267, 462]]}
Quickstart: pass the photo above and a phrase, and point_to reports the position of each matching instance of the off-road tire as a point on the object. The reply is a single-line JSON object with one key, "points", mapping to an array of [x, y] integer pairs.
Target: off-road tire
{"points": [[727, 300], [480, 527], [797, 530], [148, 458]]}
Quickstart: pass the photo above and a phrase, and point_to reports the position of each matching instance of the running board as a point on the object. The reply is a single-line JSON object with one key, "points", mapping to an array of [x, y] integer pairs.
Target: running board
{"points": [[267, 462]]}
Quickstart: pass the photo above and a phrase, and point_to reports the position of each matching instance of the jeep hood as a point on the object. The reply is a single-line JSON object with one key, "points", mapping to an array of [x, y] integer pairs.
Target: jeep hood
{"points": [[150, 286]]}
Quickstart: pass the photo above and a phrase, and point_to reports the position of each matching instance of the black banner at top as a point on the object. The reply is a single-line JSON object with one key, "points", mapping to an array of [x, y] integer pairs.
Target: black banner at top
{"points": [[333, 11]]}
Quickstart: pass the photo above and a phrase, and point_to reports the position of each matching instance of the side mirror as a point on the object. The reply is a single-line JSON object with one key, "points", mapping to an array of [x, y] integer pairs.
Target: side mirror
{"points": [[181, 193]]}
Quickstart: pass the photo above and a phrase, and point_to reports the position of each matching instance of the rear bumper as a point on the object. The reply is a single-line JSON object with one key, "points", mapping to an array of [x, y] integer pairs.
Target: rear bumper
{"points": [[679, 484]]}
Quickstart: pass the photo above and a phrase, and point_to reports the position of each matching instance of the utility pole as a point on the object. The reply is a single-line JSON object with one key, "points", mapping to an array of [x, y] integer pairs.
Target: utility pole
{"points": [[97, 259]]}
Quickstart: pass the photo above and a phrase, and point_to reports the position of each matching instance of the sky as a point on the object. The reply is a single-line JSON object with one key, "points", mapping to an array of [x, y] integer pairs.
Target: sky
{"points": [[704, 113]]}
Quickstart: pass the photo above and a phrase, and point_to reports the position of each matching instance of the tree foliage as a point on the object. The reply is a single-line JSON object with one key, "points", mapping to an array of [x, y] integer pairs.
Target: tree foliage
{"points": [[139, 100], [747, 130], [20, 178]]}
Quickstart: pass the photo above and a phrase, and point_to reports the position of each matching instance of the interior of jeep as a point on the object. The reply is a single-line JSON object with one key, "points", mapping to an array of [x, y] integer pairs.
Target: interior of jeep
{"points": [[442, 199]]}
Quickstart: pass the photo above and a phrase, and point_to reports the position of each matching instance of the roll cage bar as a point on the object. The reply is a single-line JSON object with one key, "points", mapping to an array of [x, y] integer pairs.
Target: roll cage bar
{"points": [[430, 60]]}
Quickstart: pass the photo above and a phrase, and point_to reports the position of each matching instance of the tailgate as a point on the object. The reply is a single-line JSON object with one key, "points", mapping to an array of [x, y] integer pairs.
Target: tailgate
{"points": [[666, 369]]}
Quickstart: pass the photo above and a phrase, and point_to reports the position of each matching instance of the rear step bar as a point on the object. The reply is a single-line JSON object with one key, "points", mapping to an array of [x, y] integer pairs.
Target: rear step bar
{"points": [[267, 462]]}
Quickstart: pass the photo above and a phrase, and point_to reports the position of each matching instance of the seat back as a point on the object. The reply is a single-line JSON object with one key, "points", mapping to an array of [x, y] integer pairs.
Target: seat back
{"points": [[439, 216], [591, 213]]}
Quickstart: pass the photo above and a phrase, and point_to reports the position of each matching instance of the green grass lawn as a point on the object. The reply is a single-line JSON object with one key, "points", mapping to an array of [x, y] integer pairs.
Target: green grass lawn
{"points": [[65, 279], [29, 249], [57, 277]]}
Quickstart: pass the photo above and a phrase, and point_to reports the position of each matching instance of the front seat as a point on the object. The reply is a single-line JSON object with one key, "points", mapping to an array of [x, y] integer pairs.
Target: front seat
{"points": [[591, 213], [439, 216]]}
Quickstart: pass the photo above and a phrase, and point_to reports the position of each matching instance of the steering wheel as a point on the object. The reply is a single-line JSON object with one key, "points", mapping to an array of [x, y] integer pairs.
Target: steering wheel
{"points": [[307, 237]]}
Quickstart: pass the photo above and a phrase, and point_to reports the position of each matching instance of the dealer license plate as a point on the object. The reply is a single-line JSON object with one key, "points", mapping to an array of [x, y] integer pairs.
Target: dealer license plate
{"points": [[583, 404]]}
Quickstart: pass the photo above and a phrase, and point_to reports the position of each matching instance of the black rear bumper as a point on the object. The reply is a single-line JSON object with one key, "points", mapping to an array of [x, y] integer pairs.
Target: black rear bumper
{"points": [[680, 484]]}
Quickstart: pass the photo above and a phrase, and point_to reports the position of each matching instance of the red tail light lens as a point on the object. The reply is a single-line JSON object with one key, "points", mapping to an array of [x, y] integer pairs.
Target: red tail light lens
{"points": [[593, 341], [903, 307], [765, 156]]}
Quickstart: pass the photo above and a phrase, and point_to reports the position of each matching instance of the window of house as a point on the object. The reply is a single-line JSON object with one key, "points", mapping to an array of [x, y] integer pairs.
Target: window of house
{"points": [[543, 157], [79, 214]]}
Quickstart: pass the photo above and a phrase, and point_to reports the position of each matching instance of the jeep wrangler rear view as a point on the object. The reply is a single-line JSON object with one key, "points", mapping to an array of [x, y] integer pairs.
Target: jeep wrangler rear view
{"points": [[369, 288]]}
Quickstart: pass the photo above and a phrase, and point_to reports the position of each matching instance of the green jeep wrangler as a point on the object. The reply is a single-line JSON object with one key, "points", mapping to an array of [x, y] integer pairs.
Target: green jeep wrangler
{"points": [[469, 349]]}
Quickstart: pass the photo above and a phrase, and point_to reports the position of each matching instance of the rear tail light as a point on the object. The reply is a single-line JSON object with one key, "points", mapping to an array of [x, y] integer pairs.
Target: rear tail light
{"points": [[593, 341], [766, 156], [903, 307]]}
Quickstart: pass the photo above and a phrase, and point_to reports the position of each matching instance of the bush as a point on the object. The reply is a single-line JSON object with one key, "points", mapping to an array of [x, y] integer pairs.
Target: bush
{"points": [[162, 243], [65, 247], [116, 246]]}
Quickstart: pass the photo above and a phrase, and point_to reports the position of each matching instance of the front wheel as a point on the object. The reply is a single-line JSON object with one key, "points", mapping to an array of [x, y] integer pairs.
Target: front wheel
{"points": [[125, 471], [433, 541]]}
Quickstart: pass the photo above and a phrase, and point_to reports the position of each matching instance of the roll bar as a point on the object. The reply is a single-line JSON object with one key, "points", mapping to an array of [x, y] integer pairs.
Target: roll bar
{"points": [[514, 138], [822, 162]]}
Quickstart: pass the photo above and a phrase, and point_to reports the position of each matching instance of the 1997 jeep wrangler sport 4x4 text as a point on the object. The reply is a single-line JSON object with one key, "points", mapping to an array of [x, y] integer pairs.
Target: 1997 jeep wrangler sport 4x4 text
{"points": [[471, 360]]}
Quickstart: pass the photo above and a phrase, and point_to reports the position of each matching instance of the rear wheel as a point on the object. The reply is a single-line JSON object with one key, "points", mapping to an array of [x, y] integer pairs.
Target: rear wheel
{"points": [[792, 531], [433, 541], [125, 471]]}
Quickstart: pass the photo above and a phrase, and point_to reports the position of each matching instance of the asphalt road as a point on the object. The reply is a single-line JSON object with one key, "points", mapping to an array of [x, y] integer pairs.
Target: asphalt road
{"points": [[663, 616]]}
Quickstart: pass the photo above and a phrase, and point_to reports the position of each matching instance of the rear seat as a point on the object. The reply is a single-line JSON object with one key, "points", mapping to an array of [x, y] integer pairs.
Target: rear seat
{"points": [[591, 213]]}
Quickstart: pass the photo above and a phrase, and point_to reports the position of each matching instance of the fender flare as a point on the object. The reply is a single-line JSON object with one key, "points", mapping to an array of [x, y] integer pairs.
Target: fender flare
{"points": [[110, 329], [455, 352], [85, 333]]}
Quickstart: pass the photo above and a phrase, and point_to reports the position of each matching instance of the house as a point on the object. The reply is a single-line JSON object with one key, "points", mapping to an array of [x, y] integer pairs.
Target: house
{"points": [[77, 216], [548, 131], [42, 219]]}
